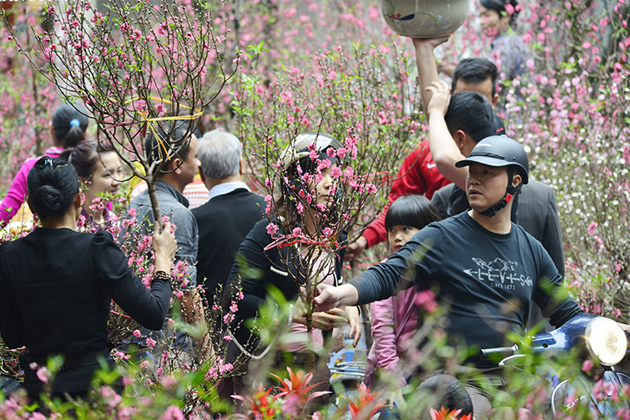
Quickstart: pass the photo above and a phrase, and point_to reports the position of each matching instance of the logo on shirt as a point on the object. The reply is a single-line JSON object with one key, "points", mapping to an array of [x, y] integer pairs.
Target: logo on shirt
{"points": [[431, 165], [500, 274]]}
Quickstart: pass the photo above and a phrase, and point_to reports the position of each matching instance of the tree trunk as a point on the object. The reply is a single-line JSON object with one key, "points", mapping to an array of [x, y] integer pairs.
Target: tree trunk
{"points": [[154, 204]]}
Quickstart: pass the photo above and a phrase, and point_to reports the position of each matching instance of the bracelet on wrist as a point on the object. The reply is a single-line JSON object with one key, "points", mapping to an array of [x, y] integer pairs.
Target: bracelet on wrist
{"points": [[162, 275]]}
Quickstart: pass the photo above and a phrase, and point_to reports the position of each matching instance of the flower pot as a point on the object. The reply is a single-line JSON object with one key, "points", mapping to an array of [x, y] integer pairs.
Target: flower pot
{"points": [[424, 18]]}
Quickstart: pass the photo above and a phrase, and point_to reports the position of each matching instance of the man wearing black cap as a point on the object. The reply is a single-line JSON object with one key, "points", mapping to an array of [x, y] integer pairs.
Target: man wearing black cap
{"points": [[486, 269]]}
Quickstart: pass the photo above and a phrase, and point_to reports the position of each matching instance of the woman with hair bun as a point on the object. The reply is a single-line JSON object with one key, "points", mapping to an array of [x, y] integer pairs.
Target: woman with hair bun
{"points": [[56, 286], [100, 170], [67, 129]]}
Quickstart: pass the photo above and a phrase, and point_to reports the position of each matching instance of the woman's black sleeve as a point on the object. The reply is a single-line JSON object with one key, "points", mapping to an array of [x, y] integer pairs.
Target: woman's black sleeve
{"points": [[11, 325], [149, 308], [252, 264]]}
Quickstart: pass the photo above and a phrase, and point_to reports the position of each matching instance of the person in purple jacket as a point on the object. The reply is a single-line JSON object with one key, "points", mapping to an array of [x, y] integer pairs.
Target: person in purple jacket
{"points": [[67, 130], [395, 319]]}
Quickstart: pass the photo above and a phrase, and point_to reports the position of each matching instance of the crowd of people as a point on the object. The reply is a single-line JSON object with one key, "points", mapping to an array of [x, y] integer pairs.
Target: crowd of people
{"points": [[495, 257]]}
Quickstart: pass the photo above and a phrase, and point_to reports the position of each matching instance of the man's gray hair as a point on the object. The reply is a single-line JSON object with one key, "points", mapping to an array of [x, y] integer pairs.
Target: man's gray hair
{"points": [[220, 154]]}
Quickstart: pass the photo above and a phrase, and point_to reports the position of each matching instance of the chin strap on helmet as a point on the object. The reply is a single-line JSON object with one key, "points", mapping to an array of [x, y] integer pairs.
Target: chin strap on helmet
{"points": [[510, 193]]}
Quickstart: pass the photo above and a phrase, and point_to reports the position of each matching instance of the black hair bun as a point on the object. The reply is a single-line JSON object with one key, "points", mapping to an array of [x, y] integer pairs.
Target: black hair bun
{"points": [[52, 187], [50, 197]]}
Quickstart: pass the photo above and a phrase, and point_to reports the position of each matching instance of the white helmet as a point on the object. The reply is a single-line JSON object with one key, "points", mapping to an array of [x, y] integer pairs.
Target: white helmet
{"points": [[424, 18]]}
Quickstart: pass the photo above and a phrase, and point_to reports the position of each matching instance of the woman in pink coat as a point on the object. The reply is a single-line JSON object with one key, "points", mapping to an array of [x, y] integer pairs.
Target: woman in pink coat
{"points": [[67, 130], [395, 320]]}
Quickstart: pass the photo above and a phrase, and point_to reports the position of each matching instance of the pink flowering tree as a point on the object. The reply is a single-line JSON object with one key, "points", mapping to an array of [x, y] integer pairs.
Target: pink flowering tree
{"points": [[27, 97], [335, 66], [573, 120], [140, 68], [361, 93]]}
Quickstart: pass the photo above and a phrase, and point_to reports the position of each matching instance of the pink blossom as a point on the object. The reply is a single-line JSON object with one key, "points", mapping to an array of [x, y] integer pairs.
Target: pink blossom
{"points": [[224, 368], [592, 228], [137, 333], [43, 374], [272, 229], [168, 382], [173, 412], [348, 172], [297, 231], [426, 300], [335, 172], [323, 164], [351, 141], [287, 97], [587, 365], [212, 373]]}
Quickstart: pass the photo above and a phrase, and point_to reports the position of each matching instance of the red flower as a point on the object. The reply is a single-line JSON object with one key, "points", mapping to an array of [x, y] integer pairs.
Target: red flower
{"points": [[366, 405], [260, 404], [297, 391], [444, 414]]}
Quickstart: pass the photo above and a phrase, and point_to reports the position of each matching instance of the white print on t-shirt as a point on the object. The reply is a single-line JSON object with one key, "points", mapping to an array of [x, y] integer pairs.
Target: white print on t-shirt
{"points": [[499, 273]]}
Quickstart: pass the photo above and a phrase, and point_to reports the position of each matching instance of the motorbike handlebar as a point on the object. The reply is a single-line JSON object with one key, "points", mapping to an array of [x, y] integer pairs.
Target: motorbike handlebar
{"points": [[503, 351]]}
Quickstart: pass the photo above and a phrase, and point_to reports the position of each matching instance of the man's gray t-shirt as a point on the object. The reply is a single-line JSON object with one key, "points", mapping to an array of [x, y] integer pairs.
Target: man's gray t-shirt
{"points": [[487, 280]]}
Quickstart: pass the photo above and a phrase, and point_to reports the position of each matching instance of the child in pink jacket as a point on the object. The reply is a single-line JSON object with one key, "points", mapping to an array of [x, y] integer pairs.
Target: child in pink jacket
{"points": [[395, 320]]}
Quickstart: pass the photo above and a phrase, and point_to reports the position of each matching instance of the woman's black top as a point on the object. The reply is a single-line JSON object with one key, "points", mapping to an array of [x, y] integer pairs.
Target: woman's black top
{"points": [[56, 287], [255, 269]]}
